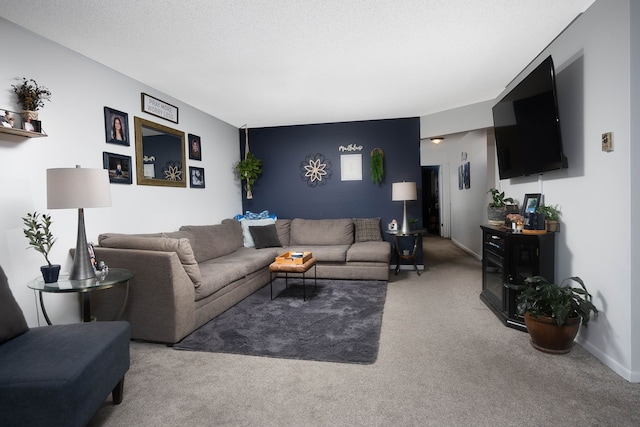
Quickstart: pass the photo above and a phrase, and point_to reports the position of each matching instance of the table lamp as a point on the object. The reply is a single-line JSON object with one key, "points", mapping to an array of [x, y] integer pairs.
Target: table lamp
{"points": [[401, 192], [69, 188]]}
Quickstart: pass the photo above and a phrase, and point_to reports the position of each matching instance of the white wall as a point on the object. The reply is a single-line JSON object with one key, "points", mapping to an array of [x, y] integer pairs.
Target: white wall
{"points": [[599, 240], [465, 216], [74, 121]]}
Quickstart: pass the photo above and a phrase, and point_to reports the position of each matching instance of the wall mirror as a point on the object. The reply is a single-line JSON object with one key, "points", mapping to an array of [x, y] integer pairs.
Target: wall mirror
{"points": [[160, 154]]}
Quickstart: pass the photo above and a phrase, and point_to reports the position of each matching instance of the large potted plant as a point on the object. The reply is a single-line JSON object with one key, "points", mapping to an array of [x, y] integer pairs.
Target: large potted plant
{"points": [[249, 170], [499, 207], [31, 97], [38, 231], [552, 216], [553, 313]]}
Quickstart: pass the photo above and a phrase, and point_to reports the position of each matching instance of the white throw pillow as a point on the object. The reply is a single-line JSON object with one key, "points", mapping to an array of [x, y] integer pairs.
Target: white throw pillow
{"points": [[246, 223]]}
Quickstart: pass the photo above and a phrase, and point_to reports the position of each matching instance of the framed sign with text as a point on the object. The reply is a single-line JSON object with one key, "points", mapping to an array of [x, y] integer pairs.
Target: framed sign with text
{"points": [[159, 108]]}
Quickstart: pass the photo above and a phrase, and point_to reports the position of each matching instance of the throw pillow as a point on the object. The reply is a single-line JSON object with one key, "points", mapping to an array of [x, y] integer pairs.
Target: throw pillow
{"points": [[265, 236], [367, 229], [246, 234], [12, 321]]}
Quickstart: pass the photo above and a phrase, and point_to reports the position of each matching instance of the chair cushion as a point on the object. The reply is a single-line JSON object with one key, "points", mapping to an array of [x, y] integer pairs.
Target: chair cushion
{"points": [[12, 322]]}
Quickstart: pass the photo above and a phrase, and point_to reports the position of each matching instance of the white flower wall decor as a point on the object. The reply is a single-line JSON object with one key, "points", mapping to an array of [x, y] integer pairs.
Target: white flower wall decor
{"points": [[315, 169]]}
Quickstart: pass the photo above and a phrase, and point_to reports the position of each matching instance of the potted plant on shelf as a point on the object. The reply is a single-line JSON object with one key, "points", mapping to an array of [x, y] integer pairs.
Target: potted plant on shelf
{"points": [[38, 231], [31, 97], [249, 170], [553, 313], [552, 216], [499, 207]]}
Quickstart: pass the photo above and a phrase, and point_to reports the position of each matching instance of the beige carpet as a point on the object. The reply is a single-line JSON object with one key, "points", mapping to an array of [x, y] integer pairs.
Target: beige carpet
{"points": [[444, 360]]}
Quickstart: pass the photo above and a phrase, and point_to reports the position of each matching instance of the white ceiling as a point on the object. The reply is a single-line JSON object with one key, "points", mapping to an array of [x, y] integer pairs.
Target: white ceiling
{"points": [[285, 62]]}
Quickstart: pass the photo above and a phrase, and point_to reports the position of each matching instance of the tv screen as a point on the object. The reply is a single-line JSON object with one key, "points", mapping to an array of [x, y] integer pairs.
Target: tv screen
{"points": [[527, 126]]}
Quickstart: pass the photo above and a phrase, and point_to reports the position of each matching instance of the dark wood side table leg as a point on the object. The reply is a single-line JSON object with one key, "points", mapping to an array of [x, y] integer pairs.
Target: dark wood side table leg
{"points": [[86, 307], [44, 312], [415, 253], [397, 250]]}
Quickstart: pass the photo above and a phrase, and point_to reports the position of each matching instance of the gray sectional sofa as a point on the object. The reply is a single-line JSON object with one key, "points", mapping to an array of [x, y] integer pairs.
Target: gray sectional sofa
{"points": [[186, 278]]}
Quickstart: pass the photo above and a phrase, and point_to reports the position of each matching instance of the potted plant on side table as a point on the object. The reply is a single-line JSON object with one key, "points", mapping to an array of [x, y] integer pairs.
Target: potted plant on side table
{"points": [[552, 216], [499, 207], [553, 313], [38, 231]]}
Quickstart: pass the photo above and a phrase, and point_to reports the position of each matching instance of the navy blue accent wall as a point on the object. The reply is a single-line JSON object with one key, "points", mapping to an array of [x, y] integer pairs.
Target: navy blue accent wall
{"points": [[281, 191]]}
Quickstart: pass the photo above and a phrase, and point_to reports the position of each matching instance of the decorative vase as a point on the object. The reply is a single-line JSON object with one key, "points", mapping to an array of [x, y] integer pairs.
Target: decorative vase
{"points": [[28, 114], [553, 226], [548, 337], [50, 273]]}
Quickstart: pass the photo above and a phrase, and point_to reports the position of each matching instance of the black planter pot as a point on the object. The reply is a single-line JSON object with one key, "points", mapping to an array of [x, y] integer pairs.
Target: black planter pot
{"points": [[50, 273]]}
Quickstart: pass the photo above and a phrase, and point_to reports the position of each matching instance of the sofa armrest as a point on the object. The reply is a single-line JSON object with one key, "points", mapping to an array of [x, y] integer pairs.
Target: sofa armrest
{"points": [[161, 300]]}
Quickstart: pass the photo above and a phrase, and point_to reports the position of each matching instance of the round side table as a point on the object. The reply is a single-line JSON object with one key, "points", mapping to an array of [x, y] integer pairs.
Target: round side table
{"points": [[115, 276]]}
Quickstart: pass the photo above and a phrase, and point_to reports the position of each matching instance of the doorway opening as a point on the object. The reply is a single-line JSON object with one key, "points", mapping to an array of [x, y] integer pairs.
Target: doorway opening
{"points": [[431, 199]]}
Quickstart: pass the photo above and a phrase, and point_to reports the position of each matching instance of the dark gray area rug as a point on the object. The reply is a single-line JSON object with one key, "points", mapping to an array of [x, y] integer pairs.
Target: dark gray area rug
{"points": [[339, 322]]}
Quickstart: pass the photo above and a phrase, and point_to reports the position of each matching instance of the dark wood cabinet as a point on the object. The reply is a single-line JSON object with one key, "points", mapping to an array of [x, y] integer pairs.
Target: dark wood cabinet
{"points": [[510, 258]]}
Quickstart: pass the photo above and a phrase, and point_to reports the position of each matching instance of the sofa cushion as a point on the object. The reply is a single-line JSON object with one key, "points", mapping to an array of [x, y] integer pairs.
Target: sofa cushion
{"points": [[369, 252], [246, 234], [265, 236], [212, 241], [12, 322], [323, 253], [321, 231], [216, 275], [283, 227], [181, 246], [367, 229]]}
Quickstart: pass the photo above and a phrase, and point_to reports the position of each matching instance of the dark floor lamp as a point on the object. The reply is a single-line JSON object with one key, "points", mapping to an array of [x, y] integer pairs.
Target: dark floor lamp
{"points": [[69, 188]]}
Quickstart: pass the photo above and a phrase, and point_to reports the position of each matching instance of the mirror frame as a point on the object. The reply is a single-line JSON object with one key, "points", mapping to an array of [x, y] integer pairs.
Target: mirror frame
{"points": [[139, 123]]}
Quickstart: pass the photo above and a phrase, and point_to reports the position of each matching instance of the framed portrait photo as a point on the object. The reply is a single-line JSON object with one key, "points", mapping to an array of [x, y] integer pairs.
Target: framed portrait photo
{"points": [[195, 148], [119, 167], [116, 126], [196, 177], [531, 203]]}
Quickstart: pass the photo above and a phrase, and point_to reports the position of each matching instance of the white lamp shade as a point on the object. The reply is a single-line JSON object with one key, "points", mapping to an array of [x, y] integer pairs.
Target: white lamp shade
{"points": [[69, 188], [401, 191]]}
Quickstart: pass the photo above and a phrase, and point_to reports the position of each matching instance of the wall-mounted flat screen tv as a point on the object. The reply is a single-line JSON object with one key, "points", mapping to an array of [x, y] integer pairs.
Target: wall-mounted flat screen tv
{"points": [[527, 126]]}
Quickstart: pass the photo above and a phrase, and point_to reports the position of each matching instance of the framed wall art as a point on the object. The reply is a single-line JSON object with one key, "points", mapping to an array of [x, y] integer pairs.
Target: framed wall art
{"points": [[196, 177], [159, 108], [119, 167], [195, 149], [116, 126]]}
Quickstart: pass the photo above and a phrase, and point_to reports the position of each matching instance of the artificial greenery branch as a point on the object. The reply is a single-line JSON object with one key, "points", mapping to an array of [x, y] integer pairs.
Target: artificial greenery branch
{"points": [[499, 200], [31, 96], [38, 232], [377, 166]]}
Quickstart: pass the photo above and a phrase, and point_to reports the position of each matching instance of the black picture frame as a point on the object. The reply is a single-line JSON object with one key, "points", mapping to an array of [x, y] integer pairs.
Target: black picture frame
{"points": [[119, 167], [195, 147], [111, 118], [196, 177], [531, 203]]}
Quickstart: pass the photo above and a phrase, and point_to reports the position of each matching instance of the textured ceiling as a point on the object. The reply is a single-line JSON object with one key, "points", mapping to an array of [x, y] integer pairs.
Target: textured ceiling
{"points": [[284, 62]]}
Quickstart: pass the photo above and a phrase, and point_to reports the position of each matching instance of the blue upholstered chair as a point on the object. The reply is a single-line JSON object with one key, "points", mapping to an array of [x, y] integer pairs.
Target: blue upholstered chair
{"points": [[57, 375]]}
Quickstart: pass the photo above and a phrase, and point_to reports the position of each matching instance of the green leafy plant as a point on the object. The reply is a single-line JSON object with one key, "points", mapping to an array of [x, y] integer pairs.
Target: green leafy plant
{"points": [[31, 96], [499, 200], [543, 299], [551, 213], [249, 170], [38, 231], [377, 165]]}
